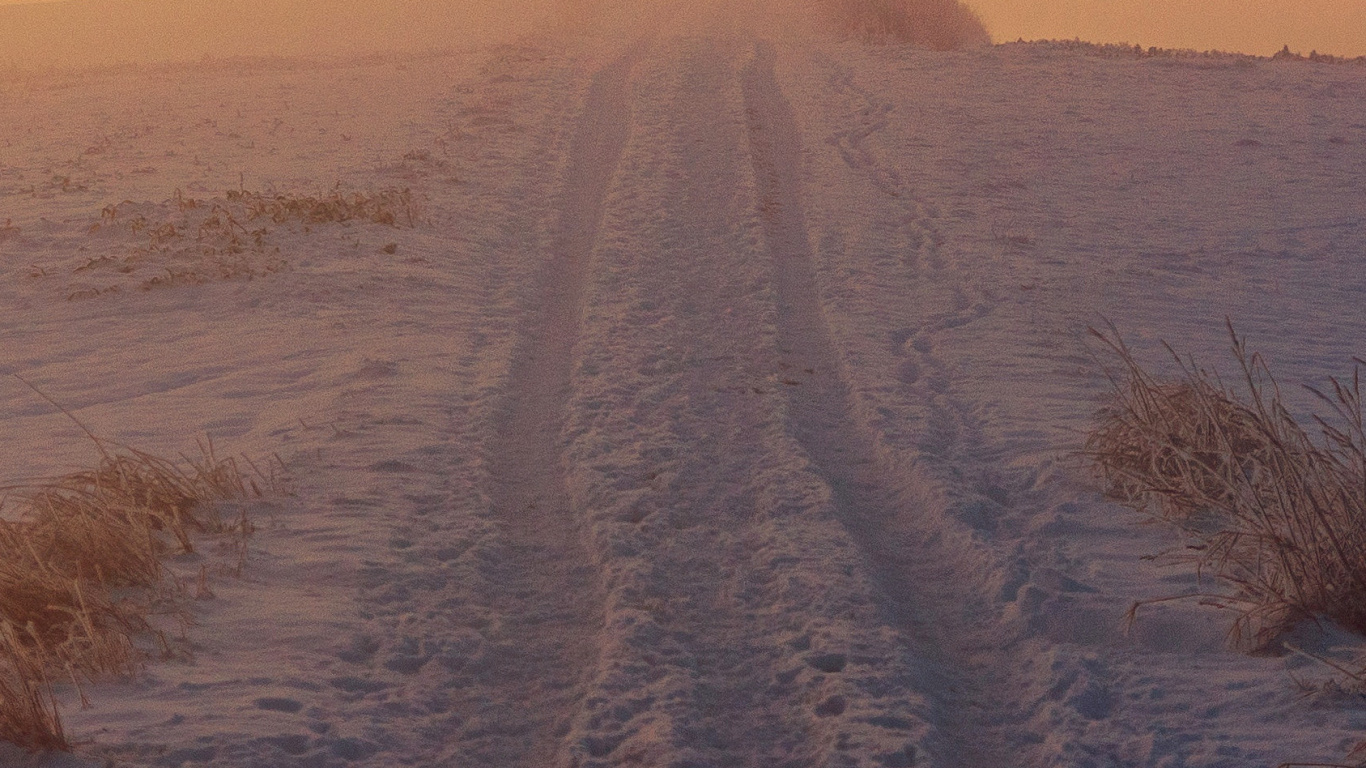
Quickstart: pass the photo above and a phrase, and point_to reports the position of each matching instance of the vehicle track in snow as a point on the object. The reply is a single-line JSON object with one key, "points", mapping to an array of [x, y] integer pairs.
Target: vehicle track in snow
{"points": [[546, 601], [884, 508], [742, 628], [668, 441], [712, 420]]}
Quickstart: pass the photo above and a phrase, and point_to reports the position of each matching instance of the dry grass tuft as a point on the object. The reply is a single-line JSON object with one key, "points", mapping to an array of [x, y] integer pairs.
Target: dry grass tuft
{"points": [[28, 716], [190, 241], [387, 206], [81, 571], [941, 25], [1274, 514]]}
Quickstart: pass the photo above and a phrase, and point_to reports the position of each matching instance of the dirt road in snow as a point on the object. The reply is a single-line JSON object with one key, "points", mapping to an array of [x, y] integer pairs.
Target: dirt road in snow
{"points": [[743, 529], [545, 593], [716, 412], [707, 562]]}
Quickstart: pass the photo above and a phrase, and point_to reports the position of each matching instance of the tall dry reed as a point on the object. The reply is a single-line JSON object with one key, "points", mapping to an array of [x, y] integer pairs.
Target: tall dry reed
{"points": [[1274, 514], [66, 545], [28, 715]]}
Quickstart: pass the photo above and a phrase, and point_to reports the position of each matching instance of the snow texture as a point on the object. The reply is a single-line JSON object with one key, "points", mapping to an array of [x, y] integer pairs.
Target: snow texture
{"points": [[718, 408]]}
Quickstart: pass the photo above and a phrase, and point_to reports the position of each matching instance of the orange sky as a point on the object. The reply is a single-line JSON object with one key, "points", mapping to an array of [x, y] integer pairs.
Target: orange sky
{"points": [[1249, 26], [83, 32], [1252, 26]]}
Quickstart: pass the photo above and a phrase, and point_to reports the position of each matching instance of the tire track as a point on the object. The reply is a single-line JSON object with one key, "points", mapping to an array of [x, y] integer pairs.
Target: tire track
{"points": [[546, 605], [668, 437], [742, 627], [922, 590]]}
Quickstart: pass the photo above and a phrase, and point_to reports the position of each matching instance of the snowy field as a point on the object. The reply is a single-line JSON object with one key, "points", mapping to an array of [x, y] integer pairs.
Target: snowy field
{"points": [[717, 405]]}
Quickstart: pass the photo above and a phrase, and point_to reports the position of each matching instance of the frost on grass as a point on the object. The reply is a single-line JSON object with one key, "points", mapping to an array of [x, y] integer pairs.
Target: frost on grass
{"points": [[1274, 514]]}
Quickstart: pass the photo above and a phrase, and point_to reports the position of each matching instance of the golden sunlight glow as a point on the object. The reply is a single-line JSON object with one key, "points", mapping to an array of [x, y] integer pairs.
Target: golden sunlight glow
{"points": [[1247, 26], [67, 32], [102, 31]]}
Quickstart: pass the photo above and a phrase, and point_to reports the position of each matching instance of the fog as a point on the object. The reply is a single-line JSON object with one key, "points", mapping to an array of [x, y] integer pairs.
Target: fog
{"points": [[91, 32], [96, 32]]}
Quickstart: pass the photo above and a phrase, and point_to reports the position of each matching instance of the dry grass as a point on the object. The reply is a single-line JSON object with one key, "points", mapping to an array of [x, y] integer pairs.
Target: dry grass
{"points": [[81, 571], [189, 241], [1275, 515], [387, 206], [28, 716], [941, 25]]}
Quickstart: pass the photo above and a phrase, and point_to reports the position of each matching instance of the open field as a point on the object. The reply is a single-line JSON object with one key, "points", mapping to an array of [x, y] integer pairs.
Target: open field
{"points": [[707, 398]]}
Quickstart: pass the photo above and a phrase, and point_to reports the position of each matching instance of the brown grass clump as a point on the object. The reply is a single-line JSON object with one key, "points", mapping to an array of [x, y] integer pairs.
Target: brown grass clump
{"points": [[387, 206], [81, 572], [1275, 514], [28, 716], [189, 241]]}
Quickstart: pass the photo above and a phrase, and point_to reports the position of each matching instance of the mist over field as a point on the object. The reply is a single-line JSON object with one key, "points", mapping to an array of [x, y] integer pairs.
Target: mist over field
{"points": [[96, 32], [595, 383], [86, 32]]}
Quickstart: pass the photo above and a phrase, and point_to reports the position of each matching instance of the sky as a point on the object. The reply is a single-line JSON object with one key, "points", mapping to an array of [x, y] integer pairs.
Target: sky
{"points": [[1249, 26], [83, 32], [1246, 26]]}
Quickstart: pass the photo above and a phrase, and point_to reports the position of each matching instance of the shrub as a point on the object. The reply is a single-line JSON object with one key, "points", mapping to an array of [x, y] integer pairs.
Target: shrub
{"points": [[941, 25], [1274, 514]]}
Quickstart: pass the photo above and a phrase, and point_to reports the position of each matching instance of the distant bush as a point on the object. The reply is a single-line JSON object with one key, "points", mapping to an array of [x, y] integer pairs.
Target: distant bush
{"points": [[1272, 513], [1285, 54], [1131, 51], [1128, 51], [942, 25]]}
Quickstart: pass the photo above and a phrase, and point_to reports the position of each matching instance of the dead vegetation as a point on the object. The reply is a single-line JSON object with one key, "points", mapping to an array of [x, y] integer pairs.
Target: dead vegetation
{"points": [[1273, 514], [82, 579], [391, 207], [190, 241]]}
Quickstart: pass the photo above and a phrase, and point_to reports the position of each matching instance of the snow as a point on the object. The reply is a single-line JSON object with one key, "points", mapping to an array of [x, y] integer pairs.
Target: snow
{"points": [[719, 408]]}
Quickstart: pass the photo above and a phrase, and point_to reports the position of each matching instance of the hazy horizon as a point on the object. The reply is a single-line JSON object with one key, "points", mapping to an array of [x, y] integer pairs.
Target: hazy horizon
{"points": [[66, 32], [86, 32], [1259, 27], [677, 382]]}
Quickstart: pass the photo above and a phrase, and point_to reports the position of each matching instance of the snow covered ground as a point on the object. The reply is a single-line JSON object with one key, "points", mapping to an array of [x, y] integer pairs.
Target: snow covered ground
{"points": [[717, 408]]}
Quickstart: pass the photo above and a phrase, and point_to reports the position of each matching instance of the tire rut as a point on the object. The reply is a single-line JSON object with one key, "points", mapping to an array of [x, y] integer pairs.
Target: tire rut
{"points": [[664, 440], [546, 603], [882, 512], [742, 628]]}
